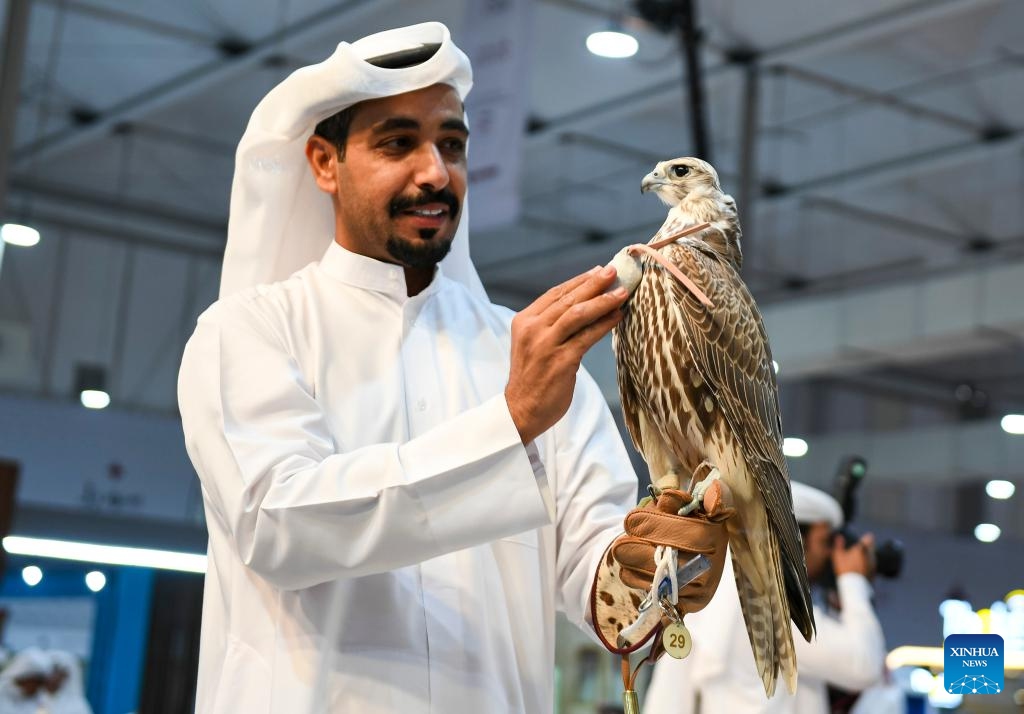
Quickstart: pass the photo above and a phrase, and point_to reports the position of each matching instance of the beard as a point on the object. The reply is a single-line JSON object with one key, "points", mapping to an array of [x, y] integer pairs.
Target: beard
{"points": [[429, 249], [426, 252]]}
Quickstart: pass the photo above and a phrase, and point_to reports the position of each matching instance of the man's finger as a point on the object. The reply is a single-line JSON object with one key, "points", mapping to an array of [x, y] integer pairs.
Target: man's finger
{"points": [[556, 293], [590, 321], [596, 283], [592, 333]]}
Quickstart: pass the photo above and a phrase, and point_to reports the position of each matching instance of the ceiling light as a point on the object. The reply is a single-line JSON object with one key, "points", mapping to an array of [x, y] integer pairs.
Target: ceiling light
{"points": [[32, 575], [1013, 423], [108, 554], [1000, 489], [17, 234], [95, 580], [94, 399], [612, 43], [987, 532], [794, 447], [91, 385]]}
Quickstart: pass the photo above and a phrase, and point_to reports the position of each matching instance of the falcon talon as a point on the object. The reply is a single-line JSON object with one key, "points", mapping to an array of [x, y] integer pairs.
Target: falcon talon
{"points": [[689, 507]]}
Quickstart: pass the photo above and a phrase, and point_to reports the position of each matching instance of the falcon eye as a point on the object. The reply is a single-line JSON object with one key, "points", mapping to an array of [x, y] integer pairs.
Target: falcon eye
{"points": [[679, 170]]}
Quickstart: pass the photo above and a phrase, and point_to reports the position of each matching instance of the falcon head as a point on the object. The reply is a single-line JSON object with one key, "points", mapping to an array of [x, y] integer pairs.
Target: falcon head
{"points": [[672, 180]]}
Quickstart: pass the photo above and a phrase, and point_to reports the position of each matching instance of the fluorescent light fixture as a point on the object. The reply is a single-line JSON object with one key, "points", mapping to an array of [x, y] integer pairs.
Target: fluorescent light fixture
{"points": [[775, 366], [794, 447], [107, 554], [613, 44], [17, 234], [94, 399], [1000, 489], [95, 580], [914, 656], [32, 575], [987, 532], [1013, 423]]}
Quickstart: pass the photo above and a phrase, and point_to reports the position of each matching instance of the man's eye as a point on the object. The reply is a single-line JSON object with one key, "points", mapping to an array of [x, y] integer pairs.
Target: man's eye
{"points": [[454, 146], [397, 143]]}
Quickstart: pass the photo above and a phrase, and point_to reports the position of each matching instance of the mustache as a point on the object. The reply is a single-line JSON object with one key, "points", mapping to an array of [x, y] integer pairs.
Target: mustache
{"points": [[407, 203]]}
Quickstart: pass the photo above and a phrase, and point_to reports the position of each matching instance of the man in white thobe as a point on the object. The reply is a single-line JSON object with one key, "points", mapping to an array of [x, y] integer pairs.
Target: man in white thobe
{"points": [[402, 483], [848, 650]]}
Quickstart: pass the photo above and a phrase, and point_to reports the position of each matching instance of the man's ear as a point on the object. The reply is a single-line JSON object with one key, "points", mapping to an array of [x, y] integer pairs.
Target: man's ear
{"points": [[323, 159]]}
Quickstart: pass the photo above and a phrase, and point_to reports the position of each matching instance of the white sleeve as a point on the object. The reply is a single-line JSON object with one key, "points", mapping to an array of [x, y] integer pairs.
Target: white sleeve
{"points": [[300, 514], [848, 651], [596, 487]]}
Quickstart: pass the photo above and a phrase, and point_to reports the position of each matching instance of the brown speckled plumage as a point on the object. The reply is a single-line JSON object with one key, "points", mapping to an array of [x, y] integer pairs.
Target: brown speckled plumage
{"points": [[697, 385]]}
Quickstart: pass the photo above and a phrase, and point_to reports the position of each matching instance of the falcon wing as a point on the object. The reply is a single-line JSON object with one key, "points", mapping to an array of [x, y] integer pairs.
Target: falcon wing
{"points": [[628, 399], [729, 348]]}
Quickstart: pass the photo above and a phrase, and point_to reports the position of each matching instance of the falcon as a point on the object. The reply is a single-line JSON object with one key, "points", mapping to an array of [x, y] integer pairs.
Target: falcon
{"points": [[700, 400]]}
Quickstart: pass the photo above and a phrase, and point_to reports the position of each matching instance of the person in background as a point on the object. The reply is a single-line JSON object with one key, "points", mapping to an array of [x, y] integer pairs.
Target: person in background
{"points": [[69, 690], [848, 651], [42, 682], [23, 683]]}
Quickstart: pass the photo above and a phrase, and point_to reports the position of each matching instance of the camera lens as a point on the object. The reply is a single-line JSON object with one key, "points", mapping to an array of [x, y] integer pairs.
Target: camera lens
{"points": [[889, 558]]}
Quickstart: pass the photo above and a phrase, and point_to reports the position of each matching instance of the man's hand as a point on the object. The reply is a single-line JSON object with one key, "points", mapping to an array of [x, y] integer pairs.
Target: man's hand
{"points": [[855, 559], [549, 338]]}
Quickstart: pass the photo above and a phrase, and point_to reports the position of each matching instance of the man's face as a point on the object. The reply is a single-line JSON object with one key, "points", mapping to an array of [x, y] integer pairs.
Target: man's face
{"points": [[402, 180], [817, 549]]}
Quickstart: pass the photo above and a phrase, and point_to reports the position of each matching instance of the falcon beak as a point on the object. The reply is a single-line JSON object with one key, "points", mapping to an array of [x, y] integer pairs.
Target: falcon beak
{"points": [[651, 182]]}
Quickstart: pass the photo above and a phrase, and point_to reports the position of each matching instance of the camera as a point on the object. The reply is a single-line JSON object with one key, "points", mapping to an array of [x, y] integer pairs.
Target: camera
{"points": [[888, 555]]}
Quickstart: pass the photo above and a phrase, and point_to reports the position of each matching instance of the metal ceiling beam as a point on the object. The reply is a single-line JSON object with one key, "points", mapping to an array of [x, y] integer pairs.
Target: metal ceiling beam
{"points": [[585, 8], [890, 100], [614, 148], [798, 50], [94, 230], [188, 83], [696, 99], [106, 205], [12, 61], [202, 144], [885, 220], [901, 167], [146, 24], [986, 68], [750, 100]]}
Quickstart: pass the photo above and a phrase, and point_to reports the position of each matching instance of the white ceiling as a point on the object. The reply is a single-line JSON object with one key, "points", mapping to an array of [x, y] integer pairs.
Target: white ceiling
{"points": [[872, 164]]}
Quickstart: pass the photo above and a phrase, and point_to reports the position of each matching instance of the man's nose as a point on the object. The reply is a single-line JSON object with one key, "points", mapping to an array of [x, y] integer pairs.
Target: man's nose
{"points": [[431, 170]]}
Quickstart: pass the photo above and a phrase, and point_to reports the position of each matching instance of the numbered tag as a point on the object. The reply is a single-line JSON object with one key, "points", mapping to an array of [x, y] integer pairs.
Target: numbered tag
{"points": [[676, 640]]}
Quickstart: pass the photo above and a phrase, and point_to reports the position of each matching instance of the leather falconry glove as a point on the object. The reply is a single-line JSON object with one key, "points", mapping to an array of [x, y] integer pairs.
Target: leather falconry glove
{"points": [[624, 578], [657, 522]]}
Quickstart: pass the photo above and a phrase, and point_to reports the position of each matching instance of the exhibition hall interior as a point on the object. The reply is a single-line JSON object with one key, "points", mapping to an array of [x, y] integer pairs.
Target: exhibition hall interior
{"points": [[875, 151]]}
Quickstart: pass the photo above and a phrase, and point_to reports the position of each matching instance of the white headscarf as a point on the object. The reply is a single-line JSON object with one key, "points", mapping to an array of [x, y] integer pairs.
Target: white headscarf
{"points": [[280, 221], [811, 505]]}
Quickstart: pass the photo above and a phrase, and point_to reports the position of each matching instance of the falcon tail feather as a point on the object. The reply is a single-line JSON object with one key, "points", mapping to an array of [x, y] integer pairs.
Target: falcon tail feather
{"points": [[767, 618], [799, 602]]}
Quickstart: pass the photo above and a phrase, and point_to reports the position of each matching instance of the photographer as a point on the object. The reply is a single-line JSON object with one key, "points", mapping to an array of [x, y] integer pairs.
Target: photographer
{"points": [[848, 651]]}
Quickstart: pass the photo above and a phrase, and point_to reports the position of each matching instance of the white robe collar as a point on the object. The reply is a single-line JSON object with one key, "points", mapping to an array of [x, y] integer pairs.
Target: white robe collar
{"points": [[367, 273]]}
